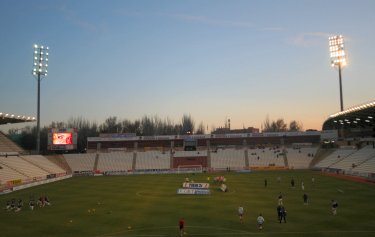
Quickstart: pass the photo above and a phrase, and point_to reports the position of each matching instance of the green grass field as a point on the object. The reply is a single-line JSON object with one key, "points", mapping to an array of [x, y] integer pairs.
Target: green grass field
{"points": [[106, 206]]}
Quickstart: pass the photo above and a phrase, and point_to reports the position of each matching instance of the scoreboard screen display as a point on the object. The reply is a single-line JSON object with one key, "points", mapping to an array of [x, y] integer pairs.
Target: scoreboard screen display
{"points": [[62, 138]]}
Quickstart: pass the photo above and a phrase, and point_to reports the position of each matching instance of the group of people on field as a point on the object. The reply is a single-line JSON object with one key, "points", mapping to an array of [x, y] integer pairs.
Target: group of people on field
{"points": [[281, 210], [16, 206], [260, 219]]}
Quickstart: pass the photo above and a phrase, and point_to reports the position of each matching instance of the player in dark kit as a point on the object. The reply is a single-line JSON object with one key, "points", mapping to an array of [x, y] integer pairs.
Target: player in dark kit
{"points": [[12, 204], [278, 213], [282, 214], [181, 223], [19, 206], [334, 207], [305, 199]]}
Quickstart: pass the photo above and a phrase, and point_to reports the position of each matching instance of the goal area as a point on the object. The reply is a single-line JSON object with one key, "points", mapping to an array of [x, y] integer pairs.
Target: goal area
{"points": [[190, 169]]}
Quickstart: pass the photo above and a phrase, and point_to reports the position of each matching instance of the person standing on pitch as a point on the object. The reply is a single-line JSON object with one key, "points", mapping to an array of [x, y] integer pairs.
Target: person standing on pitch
{"points": [[292, 182], [280, 199], [282, 214], [181, 223], [305, 199], [334, 207], [241, 211], [260, 221], [278, 210]]}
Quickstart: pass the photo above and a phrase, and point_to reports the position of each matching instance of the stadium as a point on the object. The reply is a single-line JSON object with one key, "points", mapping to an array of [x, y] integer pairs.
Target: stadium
{"points": [[127, 185], [77, 169]]}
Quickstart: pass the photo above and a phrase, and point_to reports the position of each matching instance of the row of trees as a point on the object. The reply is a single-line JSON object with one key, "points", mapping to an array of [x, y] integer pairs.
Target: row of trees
{"points": [[146, 126], [279, 125]]}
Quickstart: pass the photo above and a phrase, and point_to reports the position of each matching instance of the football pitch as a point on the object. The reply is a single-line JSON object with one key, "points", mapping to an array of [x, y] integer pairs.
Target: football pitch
{"points": [[147, 205]]}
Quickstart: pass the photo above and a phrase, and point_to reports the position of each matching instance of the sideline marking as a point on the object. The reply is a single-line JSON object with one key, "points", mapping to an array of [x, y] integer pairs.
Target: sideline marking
{"points": [[233, 232]]}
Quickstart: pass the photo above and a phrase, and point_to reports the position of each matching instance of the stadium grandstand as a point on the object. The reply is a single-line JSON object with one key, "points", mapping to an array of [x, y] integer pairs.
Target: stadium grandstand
{"points": [[7, 118], [210, 152], [17, 168], [354, 153], [354, 122], [349, 134], [7, 146]]}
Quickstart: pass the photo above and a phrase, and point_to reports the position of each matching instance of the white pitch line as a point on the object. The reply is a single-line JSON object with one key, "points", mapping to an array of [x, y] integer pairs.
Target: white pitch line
{"points": [[233, 232], [264, 232]]}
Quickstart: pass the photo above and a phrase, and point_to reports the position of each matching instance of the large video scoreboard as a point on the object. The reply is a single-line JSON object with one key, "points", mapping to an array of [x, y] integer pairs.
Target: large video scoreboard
{"points": [[62, 139]]}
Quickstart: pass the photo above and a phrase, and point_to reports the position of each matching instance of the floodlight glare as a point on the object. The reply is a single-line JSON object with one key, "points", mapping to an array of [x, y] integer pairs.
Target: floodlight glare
{"points": [[39, 69], [338, 58], [337, 51]]}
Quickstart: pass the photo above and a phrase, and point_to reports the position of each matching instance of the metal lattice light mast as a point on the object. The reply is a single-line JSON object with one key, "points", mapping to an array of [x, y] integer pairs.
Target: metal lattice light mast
{"points": [[40, 67], [338, 58]]}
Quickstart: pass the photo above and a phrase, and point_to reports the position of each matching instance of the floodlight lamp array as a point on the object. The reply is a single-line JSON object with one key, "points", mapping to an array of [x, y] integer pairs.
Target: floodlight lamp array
{"points": [[337, 52], [40, 60], [355, 108], [25, 118]]}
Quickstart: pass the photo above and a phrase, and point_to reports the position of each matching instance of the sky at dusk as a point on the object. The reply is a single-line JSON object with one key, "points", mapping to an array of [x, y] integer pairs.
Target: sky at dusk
{"points": [[212, 59]]}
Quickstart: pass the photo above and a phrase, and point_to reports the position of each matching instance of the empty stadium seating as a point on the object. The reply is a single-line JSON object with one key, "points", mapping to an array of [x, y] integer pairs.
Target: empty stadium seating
{"points": [[228, 158], [115, 161], [43, 163], [366, 167], [8, 173], [151, 160], [189, 153], [265, 157], [81, 162], [351, 161], [27, 168], [335, 157], [8, 147], [355, 159], [23, 167], [300, 158]]}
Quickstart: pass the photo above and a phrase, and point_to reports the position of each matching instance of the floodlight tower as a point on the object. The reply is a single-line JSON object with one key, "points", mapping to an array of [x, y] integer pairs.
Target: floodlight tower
{"points": [[338, 58], [40, 67]]}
